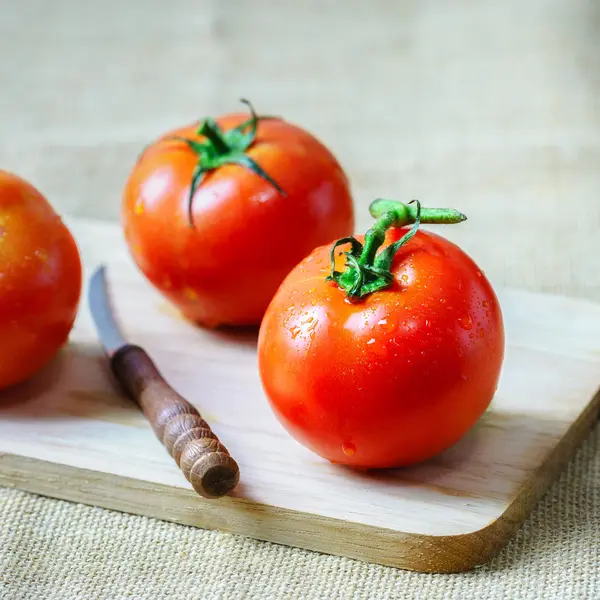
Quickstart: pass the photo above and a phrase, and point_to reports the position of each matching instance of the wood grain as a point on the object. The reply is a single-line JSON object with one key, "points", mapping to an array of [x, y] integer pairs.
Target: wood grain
{"points": [[188, 438], [68, 433]]}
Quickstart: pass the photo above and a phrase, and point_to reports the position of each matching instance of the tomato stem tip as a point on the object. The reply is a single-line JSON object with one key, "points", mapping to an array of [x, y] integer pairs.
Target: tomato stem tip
{"points": [[406, 213]]}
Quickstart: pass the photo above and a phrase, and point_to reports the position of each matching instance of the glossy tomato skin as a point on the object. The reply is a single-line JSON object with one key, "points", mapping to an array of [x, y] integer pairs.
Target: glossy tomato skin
{"points": [[40, 280], [246, 235], [395, 378]]}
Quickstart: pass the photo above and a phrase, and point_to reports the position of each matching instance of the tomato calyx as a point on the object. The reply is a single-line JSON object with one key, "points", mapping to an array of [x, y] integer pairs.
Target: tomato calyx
{"points": [[367, 271], [225, 148]]}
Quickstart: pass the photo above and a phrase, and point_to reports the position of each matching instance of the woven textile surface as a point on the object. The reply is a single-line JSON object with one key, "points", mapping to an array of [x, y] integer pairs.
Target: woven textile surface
{"points": [[490, 107], [58, 551]]}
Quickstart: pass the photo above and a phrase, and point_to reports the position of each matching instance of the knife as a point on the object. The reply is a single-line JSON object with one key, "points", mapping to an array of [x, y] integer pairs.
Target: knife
{"points": [[205, 462]]}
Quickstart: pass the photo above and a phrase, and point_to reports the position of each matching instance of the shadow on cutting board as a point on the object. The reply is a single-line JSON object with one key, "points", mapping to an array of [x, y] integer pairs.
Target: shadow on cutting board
{"points": [[78, 383], [491, 461], [246, 336], [241, 336]]}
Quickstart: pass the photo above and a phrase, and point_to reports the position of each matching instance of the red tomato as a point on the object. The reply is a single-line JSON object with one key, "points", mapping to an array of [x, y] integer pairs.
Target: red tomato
{"points": [[391, 378], [40, 280], [215, 216]]}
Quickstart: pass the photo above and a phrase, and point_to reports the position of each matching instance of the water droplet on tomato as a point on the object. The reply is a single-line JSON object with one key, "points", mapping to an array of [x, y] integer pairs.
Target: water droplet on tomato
{"points": [[481, 332], [386, 325], [464, 377], [138, 209], [190, 294], [460, 352], [460, 285], [442, 300], [427, 323], [348, 448], [42, 255], [487, 313], [466, 322], [479, 274], [485, 304], [371, 341], [295, 331]]}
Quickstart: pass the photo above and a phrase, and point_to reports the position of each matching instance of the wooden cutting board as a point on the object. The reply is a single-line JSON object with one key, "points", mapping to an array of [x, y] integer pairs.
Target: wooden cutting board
{"points": [[68, 433]]}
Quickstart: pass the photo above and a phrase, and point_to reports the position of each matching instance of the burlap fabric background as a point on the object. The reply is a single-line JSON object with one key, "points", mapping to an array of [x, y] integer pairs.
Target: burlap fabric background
{"points": [[491, 107]]}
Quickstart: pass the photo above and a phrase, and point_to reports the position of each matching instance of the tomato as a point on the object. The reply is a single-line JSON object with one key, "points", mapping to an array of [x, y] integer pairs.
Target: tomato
{"points": [[216, 215], [391, 361], [40, 280]]}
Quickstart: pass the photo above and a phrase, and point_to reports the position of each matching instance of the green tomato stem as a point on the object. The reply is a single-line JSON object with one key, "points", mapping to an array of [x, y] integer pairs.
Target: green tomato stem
{"points": [[215, 135], [406, 213], [224, 148], [367, 271]]}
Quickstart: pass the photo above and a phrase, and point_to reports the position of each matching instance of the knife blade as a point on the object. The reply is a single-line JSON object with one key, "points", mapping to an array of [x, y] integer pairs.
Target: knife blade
{"points": [[108, 331], [188, 438]]}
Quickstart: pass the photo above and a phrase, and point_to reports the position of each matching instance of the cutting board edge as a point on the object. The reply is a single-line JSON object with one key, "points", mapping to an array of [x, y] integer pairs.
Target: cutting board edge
{"points": [[388, 547]]}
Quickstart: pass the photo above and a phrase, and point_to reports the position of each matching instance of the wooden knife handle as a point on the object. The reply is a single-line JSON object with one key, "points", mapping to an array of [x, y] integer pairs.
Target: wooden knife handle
{"points": [[205, 462]]}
